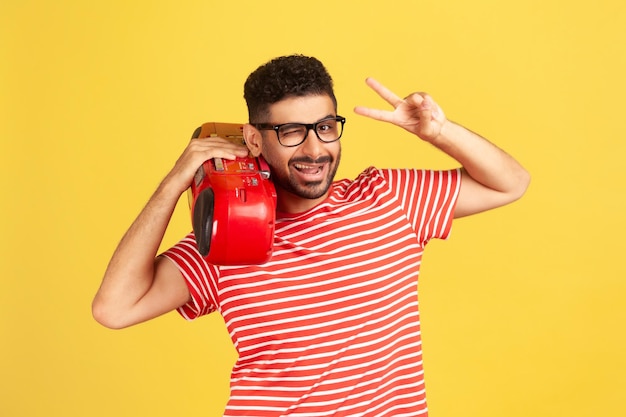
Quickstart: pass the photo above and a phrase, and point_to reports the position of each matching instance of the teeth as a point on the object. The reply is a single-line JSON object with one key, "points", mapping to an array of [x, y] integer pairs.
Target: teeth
{"points": [[300, 166]]}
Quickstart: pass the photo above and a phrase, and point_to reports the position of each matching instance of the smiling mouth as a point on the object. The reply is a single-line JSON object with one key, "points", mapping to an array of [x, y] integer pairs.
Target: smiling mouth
{"points": [[308, 169]]}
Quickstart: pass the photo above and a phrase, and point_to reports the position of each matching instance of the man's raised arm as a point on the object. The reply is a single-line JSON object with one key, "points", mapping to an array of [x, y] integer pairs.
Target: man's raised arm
{"points": [[137, 287], [490, 177]]}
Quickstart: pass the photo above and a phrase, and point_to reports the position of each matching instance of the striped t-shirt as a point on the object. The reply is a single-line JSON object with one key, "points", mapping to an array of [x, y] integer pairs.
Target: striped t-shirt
{"points": [[330, 324]]}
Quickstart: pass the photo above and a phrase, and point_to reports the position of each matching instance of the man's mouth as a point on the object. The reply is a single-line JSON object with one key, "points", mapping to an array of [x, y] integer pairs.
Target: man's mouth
{"points": [[311, 171], [308, 169]]}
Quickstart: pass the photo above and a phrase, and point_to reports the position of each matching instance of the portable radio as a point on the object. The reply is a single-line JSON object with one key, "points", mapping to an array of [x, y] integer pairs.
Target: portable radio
{"points": [[233, 204]]}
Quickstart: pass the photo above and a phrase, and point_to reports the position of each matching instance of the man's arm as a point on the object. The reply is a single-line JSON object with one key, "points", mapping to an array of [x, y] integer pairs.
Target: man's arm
{"points": [[137, 287], [490, 177]]}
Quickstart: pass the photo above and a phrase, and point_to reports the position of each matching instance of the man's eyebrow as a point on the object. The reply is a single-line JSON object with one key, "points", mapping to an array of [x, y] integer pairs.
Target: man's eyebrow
{"points": [[328, 116]]}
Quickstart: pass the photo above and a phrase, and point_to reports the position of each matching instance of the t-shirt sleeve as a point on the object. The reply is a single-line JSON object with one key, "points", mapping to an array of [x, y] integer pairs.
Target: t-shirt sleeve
{"points": [[428, 198], [201, 278]]}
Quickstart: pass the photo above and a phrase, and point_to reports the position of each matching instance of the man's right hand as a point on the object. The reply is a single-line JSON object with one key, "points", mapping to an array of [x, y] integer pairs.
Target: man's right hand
{"points": [[197, 152]]}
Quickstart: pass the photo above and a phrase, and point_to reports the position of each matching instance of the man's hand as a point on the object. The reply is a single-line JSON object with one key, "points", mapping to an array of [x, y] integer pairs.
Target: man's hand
{"points": [[418, 113], [198, 151]]}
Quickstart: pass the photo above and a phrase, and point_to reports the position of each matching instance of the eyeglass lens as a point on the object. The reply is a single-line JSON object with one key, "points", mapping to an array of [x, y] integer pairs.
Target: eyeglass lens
{"points": [[293, 134]]}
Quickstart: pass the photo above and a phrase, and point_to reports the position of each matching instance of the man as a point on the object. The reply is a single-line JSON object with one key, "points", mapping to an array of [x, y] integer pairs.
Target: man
{"points": [[330, 324]]}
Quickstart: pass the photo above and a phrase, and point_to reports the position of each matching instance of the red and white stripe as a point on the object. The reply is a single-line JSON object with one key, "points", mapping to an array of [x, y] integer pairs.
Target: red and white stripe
{"points": [[330, 325]]}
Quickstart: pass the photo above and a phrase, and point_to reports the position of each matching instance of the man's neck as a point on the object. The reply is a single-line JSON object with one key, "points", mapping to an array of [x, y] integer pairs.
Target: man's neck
{"points": [[292, 204]]}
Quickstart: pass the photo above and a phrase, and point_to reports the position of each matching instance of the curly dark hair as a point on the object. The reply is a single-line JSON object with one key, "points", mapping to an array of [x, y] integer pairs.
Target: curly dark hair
{"points": [[283, 77]]}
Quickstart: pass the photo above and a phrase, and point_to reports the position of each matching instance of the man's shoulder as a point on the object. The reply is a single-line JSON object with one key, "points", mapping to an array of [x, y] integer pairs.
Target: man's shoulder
{"points": [[367, 174], [373, 174], [366, 182]]}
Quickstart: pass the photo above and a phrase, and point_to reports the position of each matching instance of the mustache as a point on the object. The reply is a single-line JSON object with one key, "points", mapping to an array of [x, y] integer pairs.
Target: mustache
{"points": [[311, 161]]}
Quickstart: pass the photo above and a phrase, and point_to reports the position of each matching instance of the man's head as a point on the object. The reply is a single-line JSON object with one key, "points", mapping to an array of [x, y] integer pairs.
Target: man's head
{"points": [[295, 126], [284, 77]]}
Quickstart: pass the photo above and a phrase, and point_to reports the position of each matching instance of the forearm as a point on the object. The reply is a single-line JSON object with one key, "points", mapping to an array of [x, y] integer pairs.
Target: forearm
{"points": [[481, 159], [491, 177], [130, 273]]}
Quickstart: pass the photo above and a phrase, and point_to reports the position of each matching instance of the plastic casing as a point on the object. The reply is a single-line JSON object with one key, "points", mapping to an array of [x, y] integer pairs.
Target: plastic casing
{"points": [[233, 205]]}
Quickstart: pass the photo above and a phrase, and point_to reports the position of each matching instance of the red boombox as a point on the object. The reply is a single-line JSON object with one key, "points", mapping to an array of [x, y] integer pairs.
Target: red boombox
{"points": [[233, 204]]}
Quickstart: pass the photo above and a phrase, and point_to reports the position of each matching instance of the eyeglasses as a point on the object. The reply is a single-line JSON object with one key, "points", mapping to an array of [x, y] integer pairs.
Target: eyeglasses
{"points": [[293, 134]]}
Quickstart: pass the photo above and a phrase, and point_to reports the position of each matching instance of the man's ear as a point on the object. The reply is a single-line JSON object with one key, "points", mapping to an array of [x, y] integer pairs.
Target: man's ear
{"points": [[253, 139]]}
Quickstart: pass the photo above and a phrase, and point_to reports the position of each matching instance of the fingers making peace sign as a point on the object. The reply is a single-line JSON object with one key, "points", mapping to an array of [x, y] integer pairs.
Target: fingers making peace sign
{"points": [[418, 113]]}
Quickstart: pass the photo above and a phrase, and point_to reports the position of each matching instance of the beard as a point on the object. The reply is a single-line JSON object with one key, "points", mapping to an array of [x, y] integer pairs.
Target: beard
{"points": [[310, 190]]}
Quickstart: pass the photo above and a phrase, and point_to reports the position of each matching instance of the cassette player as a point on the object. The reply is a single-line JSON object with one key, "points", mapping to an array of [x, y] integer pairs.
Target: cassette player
{"points": [[233, 204]]}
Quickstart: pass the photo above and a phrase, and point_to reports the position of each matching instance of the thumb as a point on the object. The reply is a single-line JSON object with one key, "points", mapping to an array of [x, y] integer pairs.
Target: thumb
{"points": [[436, 111]]}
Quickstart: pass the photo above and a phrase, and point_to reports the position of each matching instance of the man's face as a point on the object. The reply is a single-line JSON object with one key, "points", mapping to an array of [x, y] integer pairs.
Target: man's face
{"points": [[302, 174]]}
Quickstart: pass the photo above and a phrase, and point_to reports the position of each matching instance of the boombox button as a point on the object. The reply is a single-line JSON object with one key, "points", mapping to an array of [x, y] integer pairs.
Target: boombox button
{"points": [[219, 164], [241, 194]]}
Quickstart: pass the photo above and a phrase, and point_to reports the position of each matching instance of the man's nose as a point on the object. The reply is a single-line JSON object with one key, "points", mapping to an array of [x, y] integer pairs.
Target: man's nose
{"points": [[312, 146]]}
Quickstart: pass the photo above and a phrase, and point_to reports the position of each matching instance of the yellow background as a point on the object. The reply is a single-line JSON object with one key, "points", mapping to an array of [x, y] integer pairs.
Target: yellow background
{"points": [[523, 308]]}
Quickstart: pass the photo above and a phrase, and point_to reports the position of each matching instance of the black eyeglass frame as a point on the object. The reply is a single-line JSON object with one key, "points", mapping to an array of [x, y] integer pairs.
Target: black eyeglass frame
{"points": [[308, 126]]}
